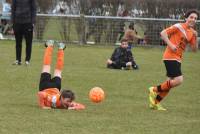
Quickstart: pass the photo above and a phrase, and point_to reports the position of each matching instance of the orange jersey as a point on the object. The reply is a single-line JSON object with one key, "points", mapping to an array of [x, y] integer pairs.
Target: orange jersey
{"points": [[49, 98], [180, 35]]}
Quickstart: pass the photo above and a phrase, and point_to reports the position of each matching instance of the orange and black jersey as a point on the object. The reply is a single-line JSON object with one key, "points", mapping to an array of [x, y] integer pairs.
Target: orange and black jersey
{"points": [[51, 98], [180, 35]]}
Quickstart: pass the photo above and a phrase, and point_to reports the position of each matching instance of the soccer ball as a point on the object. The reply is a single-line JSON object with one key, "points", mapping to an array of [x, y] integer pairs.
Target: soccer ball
{"points": [[96, 94]]}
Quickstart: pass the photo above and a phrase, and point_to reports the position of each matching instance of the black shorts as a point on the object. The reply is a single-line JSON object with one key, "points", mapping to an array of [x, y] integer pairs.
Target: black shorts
{"points": [[47, 82], [173, 68]]}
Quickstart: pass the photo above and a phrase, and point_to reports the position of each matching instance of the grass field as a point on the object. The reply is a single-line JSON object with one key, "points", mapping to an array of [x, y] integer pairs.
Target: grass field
{"points": [[125, 109]]}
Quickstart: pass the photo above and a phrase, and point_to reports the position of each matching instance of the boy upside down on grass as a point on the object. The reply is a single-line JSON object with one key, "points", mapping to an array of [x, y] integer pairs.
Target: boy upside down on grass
{"points": [[50, 94]]}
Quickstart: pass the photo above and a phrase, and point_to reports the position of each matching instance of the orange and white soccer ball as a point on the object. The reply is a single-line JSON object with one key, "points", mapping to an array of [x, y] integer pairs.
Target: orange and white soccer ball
{"points": [[96, 94]]}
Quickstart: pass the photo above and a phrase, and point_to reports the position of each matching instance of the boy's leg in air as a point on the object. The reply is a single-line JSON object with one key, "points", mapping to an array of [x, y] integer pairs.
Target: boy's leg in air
{"points": [[45, 75], [59, 65]]}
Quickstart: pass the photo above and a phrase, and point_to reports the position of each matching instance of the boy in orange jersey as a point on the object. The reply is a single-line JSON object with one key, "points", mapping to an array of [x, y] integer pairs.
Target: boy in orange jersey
{"points": [[49, 95], [176, 38]]}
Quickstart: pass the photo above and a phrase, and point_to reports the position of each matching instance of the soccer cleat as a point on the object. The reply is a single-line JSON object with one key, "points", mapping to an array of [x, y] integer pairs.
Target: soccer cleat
{"points": [[151, 106], [16, 63], [152, 97], [49, 43], [61, 46], [159, 107], [135, 67]]}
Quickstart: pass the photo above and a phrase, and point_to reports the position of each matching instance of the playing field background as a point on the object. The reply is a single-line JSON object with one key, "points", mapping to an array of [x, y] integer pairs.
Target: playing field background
{"points": [[125, 109]]}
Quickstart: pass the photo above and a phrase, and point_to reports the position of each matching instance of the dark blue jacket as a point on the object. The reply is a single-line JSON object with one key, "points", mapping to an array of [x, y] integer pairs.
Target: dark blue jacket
{"points": [[121, 56]]}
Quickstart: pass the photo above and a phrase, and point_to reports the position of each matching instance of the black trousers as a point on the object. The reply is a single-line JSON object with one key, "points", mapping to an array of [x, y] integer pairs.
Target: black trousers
{"points": [[26, 31], [120, 65]]}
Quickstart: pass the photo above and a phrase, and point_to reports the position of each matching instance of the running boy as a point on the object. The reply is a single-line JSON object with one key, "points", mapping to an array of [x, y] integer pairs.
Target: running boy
{"points": [[176, 38]]}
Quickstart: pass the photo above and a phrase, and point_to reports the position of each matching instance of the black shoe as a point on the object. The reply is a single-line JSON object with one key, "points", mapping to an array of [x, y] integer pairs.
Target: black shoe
{"points": [[16, 63], [135, 67]]}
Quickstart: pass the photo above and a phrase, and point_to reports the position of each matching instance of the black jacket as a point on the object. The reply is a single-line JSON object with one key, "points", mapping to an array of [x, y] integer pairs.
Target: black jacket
{"points": [[121, 56], [23, 11]]}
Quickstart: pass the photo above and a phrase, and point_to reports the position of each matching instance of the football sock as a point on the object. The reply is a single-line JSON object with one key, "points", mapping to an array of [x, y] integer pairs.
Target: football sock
{"points": [[165, 86], [60, 59], [161, 96], [162, 90], [48, 55]]}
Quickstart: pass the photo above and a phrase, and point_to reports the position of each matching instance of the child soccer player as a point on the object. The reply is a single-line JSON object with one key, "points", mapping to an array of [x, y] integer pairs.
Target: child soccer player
{"points": [[176, 37], [50, 94]]}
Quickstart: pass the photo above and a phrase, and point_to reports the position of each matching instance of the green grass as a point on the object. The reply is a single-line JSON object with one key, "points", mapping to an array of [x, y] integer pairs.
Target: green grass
{"points": [[125, 109]]}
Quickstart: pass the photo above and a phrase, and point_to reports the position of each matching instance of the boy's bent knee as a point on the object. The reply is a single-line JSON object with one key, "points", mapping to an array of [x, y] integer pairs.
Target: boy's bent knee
{"points": [[177, 81]]}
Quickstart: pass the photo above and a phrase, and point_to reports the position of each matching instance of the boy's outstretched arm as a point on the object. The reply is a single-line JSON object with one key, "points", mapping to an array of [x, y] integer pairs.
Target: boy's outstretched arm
{"points": [[76, 106]]}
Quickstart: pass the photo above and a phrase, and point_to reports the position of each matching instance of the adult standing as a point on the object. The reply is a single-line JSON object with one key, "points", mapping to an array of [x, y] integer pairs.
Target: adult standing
{"points": [[23, 18]]}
